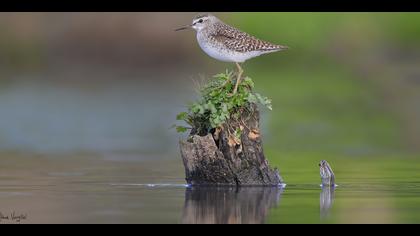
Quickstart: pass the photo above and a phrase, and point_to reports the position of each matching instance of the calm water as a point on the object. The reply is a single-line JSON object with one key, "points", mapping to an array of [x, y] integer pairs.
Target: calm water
{"points": [[145, 182], [122, 189]]}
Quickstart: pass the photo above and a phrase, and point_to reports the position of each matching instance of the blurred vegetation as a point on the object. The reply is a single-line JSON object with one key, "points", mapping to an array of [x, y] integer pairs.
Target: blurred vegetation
{"points": [[323, 103], [19, 52], [347, 85]]}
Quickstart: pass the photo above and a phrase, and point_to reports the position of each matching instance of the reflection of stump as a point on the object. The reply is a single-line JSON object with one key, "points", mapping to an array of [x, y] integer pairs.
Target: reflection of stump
{"points": [[220, 158], [223, 205]]}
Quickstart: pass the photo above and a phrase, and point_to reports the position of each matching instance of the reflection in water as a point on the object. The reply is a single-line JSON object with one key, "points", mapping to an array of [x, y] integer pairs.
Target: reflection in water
{"points": [[326, 199], [229, 205]]}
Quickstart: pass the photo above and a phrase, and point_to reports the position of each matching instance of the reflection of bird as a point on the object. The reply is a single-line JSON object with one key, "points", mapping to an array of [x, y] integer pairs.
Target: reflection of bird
{"points": [[326, 199], [226, 43]]}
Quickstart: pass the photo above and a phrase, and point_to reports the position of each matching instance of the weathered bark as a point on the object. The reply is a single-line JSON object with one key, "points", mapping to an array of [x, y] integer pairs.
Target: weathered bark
{"points": [[221, 159]]}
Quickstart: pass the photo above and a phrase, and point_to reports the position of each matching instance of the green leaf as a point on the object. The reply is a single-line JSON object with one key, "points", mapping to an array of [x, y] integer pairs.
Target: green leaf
{"points": [[195, 108], [181, 129], [252, 98], [212, 108], [248, 81], [224, 108], [182, 116]]}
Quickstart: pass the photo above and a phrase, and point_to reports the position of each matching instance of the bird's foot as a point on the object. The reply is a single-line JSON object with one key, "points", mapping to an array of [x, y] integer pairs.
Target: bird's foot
{"points": [[233, 93]]}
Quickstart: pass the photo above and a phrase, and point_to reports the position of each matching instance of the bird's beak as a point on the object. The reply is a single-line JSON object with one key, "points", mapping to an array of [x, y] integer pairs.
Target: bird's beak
{"points": [[184, 27]]}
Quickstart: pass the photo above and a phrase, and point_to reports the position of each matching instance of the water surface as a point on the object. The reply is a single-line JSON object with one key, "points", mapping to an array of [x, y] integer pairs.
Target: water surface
{"points": [[100, 189]]}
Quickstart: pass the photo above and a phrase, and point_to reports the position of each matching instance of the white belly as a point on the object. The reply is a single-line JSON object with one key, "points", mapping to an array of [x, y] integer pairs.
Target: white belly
{"points": [[222, 54]]}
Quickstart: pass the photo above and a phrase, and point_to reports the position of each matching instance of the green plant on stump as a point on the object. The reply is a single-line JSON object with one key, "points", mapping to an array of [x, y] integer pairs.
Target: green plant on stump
{"points": [[219, 106]]}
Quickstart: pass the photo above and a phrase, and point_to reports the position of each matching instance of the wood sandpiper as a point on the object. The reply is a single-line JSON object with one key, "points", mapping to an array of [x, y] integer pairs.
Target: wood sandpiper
{"points": [[226, 43]]}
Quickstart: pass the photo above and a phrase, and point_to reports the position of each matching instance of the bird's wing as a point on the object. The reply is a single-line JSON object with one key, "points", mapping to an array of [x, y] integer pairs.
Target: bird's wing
{"points": [[239, 41]]}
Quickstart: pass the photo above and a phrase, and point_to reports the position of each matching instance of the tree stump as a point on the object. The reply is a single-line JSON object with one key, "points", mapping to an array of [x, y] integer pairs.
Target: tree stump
{"points": [[220, 158]]}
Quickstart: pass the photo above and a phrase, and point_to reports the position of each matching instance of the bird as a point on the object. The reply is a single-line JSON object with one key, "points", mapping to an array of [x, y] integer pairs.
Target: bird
{"points": [[327, 174], [227, 43]]}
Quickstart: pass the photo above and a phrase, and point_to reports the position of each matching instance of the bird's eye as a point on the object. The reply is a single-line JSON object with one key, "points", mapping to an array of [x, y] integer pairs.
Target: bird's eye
{"points": [[200, 21]]}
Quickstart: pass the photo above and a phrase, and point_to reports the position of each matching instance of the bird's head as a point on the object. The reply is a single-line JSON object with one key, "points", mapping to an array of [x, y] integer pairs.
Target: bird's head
{"points": [[200, 22]]}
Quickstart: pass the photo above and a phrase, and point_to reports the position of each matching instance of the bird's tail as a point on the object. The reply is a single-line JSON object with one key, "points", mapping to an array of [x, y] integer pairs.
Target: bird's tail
{"points": [[276, 48], [282, 47]]}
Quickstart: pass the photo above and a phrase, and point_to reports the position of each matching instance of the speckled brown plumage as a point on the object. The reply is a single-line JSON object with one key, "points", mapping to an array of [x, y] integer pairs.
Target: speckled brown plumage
{"points": [[236, 40]]}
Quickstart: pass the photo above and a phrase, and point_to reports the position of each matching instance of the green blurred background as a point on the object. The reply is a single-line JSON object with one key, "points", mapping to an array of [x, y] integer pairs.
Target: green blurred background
{"points": [[349, 83], [105, 82], [111, 84]]}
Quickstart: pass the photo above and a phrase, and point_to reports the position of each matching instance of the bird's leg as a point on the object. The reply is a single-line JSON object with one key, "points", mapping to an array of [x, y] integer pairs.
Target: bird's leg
{"points": [[238, 80]]}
